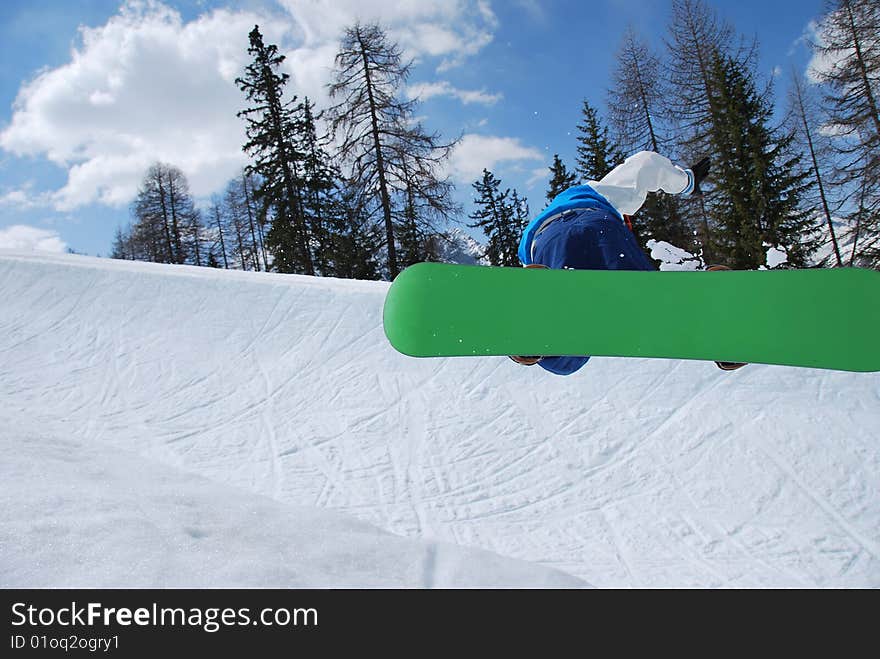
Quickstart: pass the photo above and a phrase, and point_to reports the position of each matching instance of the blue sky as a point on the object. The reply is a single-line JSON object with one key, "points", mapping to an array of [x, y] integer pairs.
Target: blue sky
{"points": [[93, 91]]}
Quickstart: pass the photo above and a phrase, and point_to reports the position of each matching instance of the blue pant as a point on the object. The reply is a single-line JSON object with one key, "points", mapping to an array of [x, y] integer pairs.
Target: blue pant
{"points": [[586, 240]]}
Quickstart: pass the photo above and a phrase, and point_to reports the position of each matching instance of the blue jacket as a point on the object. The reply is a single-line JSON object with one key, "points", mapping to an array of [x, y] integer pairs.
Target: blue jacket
{"points": [[580, 196], [594, 239]]}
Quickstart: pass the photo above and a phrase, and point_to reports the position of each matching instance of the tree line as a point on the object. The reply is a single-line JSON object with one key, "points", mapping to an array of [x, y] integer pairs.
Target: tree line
{"points": [[367, 198], [807, 181], [365, 209]]}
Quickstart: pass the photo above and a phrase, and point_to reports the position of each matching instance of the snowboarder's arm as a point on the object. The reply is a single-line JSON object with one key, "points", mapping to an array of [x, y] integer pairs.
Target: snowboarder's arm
{"points": [[627, 185]]}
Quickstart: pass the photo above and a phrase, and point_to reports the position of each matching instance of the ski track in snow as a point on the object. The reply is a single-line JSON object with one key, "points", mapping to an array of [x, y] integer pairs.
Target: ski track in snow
{"points": [[631, 473]]}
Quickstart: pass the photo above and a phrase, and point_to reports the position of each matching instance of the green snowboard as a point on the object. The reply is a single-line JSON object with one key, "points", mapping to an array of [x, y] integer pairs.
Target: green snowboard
{"points": [[813, 318]]}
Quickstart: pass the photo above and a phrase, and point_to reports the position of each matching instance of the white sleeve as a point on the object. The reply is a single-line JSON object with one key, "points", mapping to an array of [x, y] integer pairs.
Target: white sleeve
{"points": [[627, 185]]}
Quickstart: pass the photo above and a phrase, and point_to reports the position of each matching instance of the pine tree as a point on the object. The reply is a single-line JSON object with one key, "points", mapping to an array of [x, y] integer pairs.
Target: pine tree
{"points": [[354, 237], [662, 218], [850, 33], [412, 244], [697, 37], [184, 215], [258, 212], [393, 160], [423, 204], [320, 185], [194, 229], [239, 226], [248, 192], [753, 197], [166, 222], [521, 216], [271, 129], [561, 179], [502, 216], [636, 97], [145, 235], [759, 186], [637, 106], [860, 220], [215, 213], [121, 245], [597, 152], [152, 223], [805, 120]]}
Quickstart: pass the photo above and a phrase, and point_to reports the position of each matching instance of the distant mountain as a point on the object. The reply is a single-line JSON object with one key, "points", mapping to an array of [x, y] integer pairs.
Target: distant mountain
{"points": [[453, 246], [456, 246]]}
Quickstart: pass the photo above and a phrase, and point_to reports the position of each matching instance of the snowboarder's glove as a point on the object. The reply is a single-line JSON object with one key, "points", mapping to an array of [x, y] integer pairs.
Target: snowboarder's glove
{"points": [[698, 173]]}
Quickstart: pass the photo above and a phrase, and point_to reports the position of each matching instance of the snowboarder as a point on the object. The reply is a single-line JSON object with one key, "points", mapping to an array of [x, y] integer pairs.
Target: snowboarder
{"points": [[587, 227]]}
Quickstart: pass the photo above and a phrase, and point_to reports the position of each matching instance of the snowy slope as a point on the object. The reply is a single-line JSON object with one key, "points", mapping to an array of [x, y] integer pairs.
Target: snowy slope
{"points": [[630, 473], [81, 516]]}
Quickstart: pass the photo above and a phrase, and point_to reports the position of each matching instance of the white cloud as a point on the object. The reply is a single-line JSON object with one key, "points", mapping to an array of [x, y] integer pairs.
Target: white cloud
{"points": [[477, 152], [24, 198], [540, 175], [426, 90], [452, 29], [822, 63], [143, 87], [534, 10], [834, 130], [148, 86], [14, 198], [17, 198], [21, 236]]}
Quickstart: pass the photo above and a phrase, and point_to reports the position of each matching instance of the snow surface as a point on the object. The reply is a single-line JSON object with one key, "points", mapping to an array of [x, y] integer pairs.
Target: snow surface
{"points": [[169, 425], [775, 256], [79, 515], [673, 258]]}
